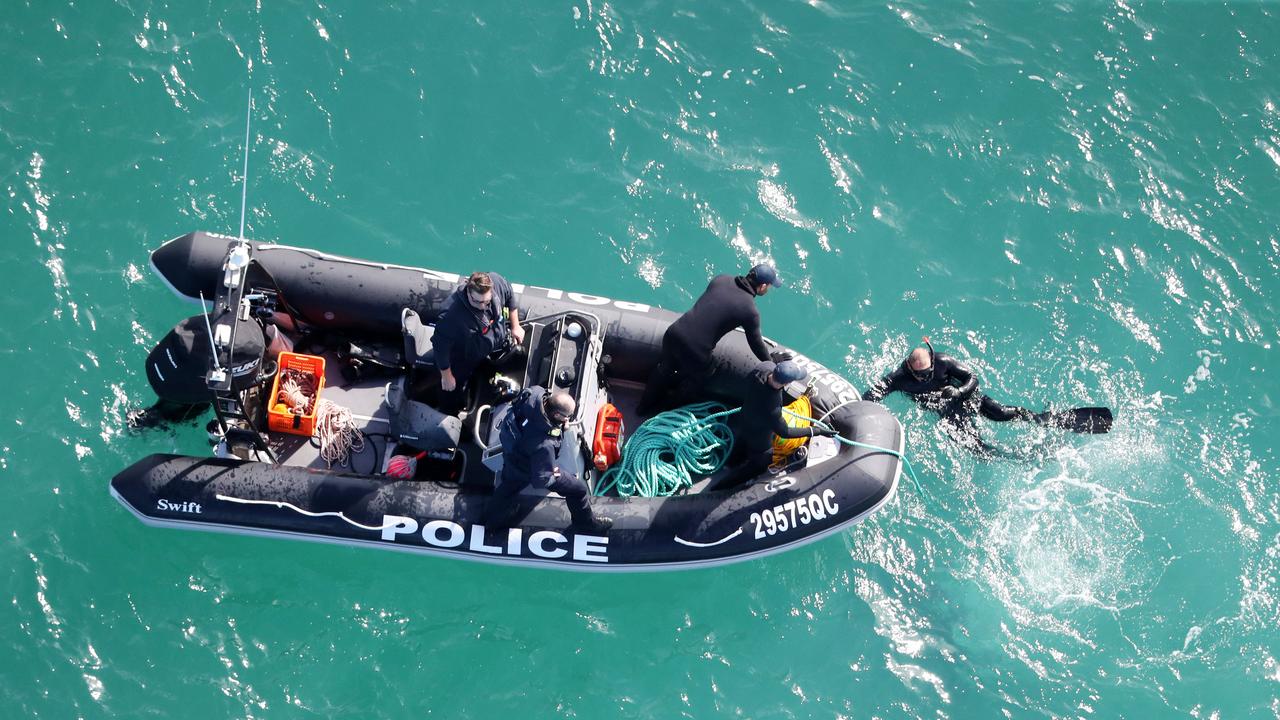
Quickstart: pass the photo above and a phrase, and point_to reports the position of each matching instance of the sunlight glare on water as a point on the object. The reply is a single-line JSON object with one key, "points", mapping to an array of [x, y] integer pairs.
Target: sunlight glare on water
{"points": [[1075, 199]]}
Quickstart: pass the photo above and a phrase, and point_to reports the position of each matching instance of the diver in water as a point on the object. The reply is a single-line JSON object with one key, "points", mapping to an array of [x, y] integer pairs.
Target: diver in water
{"points": [[948, 387]]}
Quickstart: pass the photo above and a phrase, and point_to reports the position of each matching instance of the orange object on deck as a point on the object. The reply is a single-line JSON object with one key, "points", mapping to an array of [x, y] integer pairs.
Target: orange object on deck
{"points": [[287, 421], [606, 448]]}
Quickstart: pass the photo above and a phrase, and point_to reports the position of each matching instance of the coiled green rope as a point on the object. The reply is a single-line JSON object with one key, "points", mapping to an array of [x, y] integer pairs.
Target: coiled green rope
{"points": [[668, 450], [665, 453]]}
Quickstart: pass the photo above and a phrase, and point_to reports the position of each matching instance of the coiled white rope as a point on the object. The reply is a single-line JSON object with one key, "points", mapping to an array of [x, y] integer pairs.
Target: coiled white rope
{"points": [[337, 431]]}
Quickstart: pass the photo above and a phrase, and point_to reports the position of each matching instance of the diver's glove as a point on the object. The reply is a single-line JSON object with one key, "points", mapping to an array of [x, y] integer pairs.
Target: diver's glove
{"points": [[950, 392], [781, 355], [819, 431]]}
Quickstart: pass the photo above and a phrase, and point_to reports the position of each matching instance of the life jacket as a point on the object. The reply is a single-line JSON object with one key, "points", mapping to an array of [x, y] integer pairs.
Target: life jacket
{"points": [[606, 447], [783, 447]]}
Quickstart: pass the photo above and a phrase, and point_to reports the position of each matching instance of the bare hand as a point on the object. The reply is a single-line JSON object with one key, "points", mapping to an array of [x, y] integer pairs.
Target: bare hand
{"points": [[517, 334], [447, 382]]}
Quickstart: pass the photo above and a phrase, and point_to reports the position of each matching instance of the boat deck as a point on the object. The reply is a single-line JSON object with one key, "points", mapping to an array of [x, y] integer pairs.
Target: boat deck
{"points": [[367, 402]]}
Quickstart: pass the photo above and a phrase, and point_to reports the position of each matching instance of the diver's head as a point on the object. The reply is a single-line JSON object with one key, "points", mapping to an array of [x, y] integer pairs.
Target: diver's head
{"points": [[559, 407], [920, 364], [762, 277]]}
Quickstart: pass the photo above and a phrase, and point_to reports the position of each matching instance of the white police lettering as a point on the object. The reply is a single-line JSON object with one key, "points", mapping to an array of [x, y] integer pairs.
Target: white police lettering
{"points": [[580, 298], [450, 279], [588, 299], [444, 276], [820, 375], [794, 513], [182, 507], [538, 544], [543, 543], [591, 548], [551, 293], [477, 542], [431, 533]]}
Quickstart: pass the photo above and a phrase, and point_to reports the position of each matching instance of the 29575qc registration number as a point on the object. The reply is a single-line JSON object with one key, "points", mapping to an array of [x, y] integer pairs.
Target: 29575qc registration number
{"points": [[794, 513]]}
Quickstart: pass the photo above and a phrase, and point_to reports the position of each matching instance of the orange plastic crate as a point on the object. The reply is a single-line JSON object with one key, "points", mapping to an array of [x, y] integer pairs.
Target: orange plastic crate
{"points": [[287, 422]]}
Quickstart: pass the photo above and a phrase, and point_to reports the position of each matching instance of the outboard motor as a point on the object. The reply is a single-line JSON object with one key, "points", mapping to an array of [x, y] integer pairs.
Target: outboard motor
{"points": [[177, 367], [214, 358], [178, 364]]}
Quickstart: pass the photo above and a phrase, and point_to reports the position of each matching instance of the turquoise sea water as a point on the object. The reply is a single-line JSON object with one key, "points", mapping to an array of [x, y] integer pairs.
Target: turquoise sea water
{"points": [[1080, 198]]}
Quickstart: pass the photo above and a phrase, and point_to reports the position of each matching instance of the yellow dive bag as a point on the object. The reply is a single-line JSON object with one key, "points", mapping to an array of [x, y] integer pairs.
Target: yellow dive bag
{"points": [[783, 447]]}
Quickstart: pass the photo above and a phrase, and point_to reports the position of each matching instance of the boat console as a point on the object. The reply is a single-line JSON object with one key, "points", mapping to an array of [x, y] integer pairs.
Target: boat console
{"points": [[564, 353]]}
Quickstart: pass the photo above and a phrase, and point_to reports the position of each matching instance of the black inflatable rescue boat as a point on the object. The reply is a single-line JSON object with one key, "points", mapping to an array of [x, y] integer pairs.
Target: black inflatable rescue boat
{"points": [[371, 324]]}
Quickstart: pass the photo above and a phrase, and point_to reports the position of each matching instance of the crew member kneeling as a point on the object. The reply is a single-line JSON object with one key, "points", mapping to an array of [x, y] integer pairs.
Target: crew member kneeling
{"points": [[530, 435], [761, 419]]}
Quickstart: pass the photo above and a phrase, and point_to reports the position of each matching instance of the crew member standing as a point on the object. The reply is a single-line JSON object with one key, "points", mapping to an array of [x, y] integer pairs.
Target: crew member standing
{"points": [[759, 420], [531, 435], [475, 323], [727, 303]]}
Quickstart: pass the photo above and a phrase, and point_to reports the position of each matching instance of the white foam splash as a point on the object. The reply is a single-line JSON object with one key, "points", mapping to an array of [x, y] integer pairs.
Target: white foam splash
{"points": [[651, 272], [1201, 372]]}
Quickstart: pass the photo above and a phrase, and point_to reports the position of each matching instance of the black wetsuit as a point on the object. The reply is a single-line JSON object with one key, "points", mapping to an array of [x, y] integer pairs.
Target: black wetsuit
{"points": [[947, 372], [753, 430], [465, 336], [963, 403], [727, 303], [530, 447]]}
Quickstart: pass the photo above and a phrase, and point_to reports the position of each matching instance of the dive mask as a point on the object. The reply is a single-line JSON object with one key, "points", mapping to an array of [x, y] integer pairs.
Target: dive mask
{"points": [[926, 374]]}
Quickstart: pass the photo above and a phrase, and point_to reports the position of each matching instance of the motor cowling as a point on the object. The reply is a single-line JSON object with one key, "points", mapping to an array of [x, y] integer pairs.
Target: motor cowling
{"points": [[177, 366]]}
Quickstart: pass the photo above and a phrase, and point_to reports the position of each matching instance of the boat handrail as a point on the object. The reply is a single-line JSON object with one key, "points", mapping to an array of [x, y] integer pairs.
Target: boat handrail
{"points": [[543, 319]]}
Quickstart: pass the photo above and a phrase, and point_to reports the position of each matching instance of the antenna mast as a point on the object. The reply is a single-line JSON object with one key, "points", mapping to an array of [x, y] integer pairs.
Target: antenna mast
{"points": [[244, 191]]}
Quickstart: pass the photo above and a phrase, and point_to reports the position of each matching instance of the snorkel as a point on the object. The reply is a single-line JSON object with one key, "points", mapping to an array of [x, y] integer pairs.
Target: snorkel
{"points": [[923, 375]]}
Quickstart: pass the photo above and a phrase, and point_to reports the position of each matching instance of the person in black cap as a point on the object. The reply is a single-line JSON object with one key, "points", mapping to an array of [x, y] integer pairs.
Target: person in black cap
{"points": [[727, 303], [476, 322], [948, 387], [531, 435], [759, 420]]}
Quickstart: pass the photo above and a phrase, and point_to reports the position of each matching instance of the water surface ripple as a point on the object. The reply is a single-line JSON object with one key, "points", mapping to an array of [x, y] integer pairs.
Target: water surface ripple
{"points": [[1079, 199]]}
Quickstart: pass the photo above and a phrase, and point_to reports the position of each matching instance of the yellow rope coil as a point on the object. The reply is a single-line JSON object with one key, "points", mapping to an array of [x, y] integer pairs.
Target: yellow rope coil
{"points": [[783, 447]]}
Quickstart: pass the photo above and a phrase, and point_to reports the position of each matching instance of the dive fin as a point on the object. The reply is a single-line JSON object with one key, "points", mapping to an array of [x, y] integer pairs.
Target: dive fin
{"points": [[1091, 420]]}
